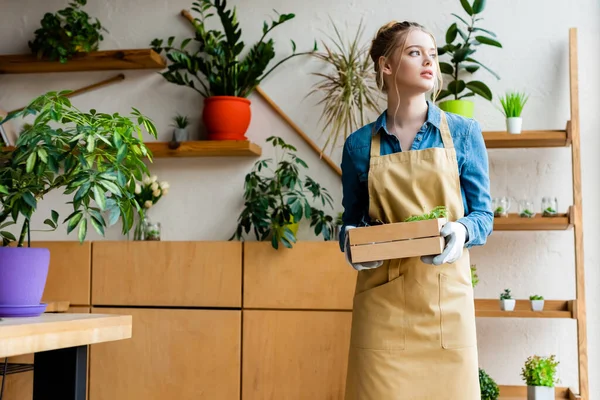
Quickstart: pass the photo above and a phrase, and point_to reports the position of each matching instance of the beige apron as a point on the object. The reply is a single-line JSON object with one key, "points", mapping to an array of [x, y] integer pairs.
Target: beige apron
{"points": [[413, 324]]}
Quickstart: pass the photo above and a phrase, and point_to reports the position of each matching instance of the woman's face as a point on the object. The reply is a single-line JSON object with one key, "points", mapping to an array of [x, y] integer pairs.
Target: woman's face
{"points": [[414, 68]]}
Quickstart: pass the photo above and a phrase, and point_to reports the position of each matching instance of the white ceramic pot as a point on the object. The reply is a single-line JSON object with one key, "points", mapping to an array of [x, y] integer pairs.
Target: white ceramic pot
{"points": [[537, 305], [507, 305], [180, 135], [514, 124], [540, 393]]}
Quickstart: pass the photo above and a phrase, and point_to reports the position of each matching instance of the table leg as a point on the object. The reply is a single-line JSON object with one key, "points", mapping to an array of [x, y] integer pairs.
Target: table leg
{"points": [[60, 374]]}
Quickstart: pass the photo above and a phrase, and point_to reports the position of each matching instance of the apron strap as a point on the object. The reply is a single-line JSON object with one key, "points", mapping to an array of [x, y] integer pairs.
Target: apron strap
{"points": [[375, 143], [393, 270], [445, 132]]}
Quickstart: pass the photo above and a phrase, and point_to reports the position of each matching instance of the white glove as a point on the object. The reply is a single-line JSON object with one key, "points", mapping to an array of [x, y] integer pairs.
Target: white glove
{"points": [[357, 266], [455, 234]]}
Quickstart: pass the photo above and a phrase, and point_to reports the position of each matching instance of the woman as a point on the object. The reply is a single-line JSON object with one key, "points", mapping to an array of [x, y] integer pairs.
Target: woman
{"points": [[413, 324]]}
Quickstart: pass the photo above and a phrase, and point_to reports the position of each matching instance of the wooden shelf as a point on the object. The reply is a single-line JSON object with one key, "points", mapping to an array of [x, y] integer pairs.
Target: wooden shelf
{"points": [[526, 139], [94, 61], [520, 393], [513, 222], [552, 309], [205, 148]]}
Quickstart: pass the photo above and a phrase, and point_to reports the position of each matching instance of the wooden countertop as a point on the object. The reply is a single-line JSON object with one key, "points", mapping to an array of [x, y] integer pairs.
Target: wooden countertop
{"points": [[56, 331]]}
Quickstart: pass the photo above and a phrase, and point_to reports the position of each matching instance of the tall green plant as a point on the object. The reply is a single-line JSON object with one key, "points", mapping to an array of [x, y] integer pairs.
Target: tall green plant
{"points": [[95, 157], [213, 67], [461, 53], [513, 103]]}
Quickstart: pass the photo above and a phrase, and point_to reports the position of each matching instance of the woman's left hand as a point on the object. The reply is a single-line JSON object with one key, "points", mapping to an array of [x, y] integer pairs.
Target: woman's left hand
{"points": [[455, 234]]}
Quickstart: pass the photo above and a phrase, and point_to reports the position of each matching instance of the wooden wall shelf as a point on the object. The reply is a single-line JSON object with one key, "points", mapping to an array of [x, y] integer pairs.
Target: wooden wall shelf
{"points": [[527, 139], [552, 309], [538, 223], [94, 61], [520, 393], [205, 148]]}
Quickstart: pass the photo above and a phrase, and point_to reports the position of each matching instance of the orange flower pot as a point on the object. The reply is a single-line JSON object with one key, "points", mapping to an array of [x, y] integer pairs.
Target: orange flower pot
{"points": [[226, 117]]}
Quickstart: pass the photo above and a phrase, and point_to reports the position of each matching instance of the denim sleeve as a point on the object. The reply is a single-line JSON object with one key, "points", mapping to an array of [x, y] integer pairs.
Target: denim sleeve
{"points": [[475, 181], [352, 196]]}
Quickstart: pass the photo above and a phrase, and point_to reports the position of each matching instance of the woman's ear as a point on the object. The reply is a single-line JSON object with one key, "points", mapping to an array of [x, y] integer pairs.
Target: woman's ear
{"points": [[384, 66]]}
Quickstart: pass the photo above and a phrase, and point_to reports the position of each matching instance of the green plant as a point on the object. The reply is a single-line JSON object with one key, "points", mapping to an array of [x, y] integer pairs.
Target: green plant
{"points": [[513, 103], [146, 194], [488, 387], [536, 297], [338, 219], [474, 276], [349, 90], [437, 212], [461, 54], [93, 156], [273, 201], [540, 371], [549, 212], [180, 121], [216, 54], [506, 295], [67, 32], [527, 213]]}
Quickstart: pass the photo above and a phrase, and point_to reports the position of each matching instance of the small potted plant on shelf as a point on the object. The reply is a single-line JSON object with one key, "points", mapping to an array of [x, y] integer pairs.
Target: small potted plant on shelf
{"points": [[507, 303], [501, 206], [537, 302], [275, 203], [93, 157], [474, 276], [147, 193], [212, 66], [488, 387], [539, 373], [66, 33], [526, 209], [462, 61], [512, 106], [180, 133], [549, 206]]}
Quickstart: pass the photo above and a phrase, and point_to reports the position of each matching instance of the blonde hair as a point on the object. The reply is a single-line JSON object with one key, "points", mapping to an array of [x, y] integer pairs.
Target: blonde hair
{"points": [[385, 43]]}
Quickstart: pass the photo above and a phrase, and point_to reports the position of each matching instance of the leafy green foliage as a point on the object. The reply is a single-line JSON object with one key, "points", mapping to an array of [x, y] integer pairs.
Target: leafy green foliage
{"points": [[214, 62], [513, 103], [437, 212], [489, 388], [67, 32], [180, 121], [536, 297], [461, 53], [506, 295], [94, 157], [540, 371], [272, 201]]}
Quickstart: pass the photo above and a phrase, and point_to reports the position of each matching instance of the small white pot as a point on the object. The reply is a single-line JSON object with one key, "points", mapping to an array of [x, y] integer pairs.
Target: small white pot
{"points": [[514, 124], [537, 305], [507, 305], [540, 393]]}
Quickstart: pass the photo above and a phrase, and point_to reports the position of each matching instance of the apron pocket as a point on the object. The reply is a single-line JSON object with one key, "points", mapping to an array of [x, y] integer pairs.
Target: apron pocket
{"points": [[457, 314], [378, 317]]}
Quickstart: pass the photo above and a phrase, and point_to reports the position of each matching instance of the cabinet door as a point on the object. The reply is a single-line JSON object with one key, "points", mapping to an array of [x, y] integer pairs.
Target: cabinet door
{"points": [[173, 354], [295, 355]]}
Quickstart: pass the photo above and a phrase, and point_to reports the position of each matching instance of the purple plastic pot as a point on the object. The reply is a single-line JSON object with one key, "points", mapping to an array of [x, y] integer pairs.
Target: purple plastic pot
{"points": [[23, 273]]}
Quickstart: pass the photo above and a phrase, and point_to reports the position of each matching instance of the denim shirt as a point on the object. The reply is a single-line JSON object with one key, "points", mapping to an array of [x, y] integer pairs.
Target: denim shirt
{"points": [[473, 170]]}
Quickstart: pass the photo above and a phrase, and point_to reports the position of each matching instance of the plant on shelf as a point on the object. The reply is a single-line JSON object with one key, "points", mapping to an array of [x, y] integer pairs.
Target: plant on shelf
{"points": [[539, 374], [180, 133], [213, 68], [537, 302], [91, 156], [474, 276], [146, 194], [488, 387], [512, 107], [461, 60], [275, 202], [348, 89], [507, 303], [437, 212], [67, 32], [549, 206]]}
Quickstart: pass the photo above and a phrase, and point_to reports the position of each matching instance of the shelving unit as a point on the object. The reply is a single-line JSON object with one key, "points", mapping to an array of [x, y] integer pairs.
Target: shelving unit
{"points": [[552, 309], [528, 139]]}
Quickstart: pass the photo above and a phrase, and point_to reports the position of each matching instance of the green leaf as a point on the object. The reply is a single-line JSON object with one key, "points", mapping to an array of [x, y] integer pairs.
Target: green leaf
{"points": [[467, 7], [481, 89], [486, 31], [99, 197], [54, 216], [478, 6], [489, 70], [73, 221], [455, 87], [451, 33], [82, 230], [472, 68], [446, 68], [8, 235], [43, 155], [488, 41], [3, 189], [460, 18], [29, 199], [31, 162], [50, 223], [97, 226]]}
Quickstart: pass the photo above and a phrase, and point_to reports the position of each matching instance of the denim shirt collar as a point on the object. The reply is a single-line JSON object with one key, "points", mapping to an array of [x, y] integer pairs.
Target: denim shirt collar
{"points": [[434, 117]]}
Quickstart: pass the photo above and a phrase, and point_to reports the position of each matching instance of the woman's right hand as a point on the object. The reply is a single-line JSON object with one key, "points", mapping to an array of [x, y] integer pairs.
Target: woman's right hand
{"points": [[357, 266]]}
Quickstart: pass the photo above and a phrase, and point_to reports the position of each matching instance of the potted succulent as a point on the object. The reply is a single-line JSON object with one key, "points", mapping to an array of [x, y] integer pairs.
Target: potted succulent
{"points": [[462, 61], [213, 68], [501, 206], [180, 133], [526, 209], [539, 373], [537, 302], [512, 107], [274, 204], [549, 206], [488, 387], [507, 303], [66, 33], [91, 156]]}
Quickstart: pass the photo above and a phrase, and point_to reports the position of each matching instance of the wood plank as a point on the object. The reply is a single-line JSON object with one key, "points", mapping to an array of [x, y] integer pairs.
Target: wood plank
{"points": [[167, 273], [520, 392], [295, 354], [57, 306], [173, 354], [513, 222], [205, 148], [526, 139], [94, 61], [298, 278], [552, 309], [56, 331]]}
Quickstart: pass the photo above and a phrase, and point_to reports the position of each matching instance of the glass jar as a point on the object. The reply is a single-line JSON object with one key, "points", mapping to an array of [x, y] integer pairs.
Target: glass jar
{"points": [[549, 206], [526, 209], [152, 231], [501, 205]]}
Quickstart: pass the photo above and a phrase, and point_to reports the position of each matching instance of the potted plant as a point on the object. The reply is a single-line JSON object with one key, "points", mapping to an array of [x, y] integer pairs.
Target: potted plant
{"points": [[462, 61], [93, 157], [474, 276], [501, 206], [349, 89], [66, 33], [488, 387], [539, 373], [180, 133], [275, 203], [526, 209], [146, 194], [537, 302], [507, 303], [512, 107], [214, 69], [549, 206]]}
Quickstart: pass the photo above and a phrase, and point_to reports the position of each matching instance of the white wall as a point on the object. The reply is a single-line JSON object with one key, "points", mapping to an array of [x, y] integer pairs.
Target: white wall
{"points": [[205, 195]]}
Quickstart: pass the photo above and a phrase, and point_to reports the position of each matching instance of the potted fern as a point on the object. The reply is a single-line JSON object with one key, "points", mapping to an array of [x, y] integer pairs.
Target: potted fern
{"points": [[507, 303], [512, 107], [488, 387], [539, 373], [213, 68], [93, 157]]}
